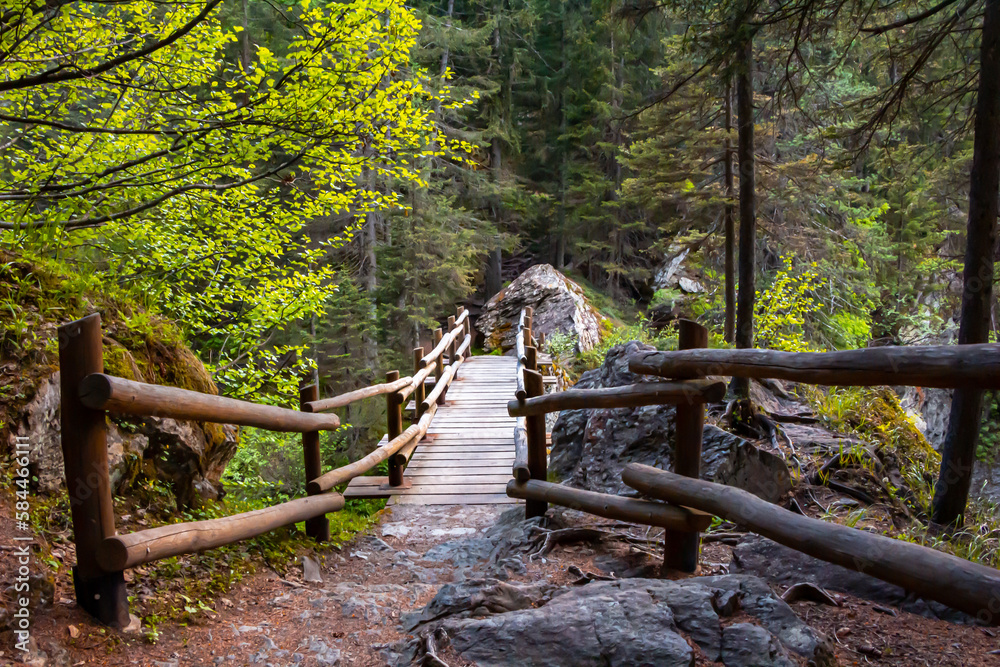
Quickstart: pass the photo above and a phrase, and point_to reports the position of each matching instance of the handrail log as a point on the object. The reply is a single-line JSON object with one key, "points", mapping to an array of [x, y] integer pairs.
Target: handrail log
{"points": [[346, 473], [441, 386], [464, 315], [520, 470], [943, 366], [439, 349], [340, 401], [406, 451], [107, 392], [633, 510], [627, 396], [519, 393], [956, 582], [418, 378], [464, 347], [124, 551]]}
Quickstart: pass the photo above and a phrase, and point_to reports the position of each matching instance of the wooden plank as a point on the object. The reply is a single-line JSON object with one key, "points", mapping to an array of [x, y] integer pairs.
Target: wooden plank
{"points": [[435, 456], [430, 487], [459, 499], [434, 466]]}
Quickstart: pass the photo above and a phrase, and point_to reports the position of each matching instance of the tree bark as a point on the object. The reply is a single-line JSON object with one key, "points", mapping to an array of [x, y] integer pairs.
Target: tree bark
{"points": [[730, 221], [748, 214], [959, 452]]}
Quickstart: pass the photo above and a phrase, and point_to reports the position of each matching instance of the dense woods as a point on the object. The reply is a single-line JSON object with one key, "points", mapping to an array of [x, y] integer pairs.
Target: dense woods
{"points": [[305, 186]]}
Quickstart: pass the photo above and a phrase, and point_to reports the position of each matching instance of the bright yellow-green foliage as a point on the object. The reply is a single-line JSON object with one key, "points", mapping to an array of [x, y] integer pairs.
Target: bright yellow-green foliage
{"points": [[193, 174], [783, 308]]}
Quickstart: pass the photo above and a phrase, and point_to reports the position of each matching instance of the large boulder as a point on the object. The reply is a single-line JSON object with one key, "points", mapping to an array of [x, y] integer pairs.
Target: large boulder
{"points": [[591, 447], [559, 305], [190, 456], [625, 622]]}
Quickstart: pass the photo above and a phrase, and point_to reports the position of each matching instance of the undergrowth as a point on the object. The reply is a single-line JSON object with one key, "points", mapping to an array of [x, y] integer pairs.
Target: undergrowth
{"points": [[875, 417]]}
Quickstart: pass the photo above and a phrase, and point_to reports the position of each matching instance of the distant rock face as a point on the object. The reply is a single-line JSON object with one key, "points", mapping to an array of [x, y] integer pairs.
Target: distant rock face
{"points": [[559, 305], [190, 456], [625, 623], [591, 447]]}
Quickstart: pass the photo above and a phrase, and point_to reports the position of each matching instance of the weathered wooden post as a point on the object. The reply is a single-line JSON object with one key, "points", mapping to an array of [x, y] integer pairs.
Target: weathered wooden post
{"points": [[534, 385], [318, 527], [420, 392], [85, 458], [439, 364], [681, 548], [394, 426]]}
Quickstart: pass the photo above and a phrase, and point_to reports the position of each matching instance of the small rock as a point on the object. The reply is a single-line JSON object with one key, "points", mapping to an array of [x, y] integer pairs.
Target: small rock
{"points": [[74, 631], [311, 571]]}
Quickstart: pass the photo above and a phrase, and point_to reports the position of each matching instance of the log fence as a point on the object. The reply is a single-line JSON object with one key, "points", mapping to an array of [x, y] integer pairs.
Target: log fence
{"points": [[88, 395], [687, 503], [682, 504]]}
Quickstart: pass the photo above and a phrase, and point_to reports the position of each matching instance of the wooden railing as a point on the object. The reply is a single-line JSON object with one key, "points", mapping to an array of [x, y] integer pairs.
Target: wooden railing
{"points": [[953, 581], [530, 405], [88, 394]]}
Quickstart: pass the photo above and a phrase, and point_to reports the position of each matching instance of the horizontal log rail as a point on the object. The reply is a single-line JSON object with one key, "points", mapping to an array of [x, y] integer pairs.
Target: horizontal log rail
{"points": [[107, 392], [687, 392], [942, 366], [343, 400], [443, 345], [464, 347], [950, 580], [619, 508], [124, 551], [424, 423], [418, 379], [440, 387]]}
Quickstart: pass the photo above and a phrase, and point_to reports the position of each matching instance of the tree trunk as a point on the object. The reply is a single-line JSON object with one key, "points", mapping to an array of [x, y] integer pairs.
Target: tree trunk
{"points": [[959, 452], [369, 281], [730, 220], [245, 38], [748, 215], [494, 260]]}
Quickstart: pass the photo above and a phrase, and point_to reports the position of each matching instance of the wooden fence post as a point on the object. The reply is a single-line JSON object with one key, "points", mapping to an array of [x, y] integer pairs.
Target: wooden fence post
{"points": [[534, 385], [318, 527], [394, 426], [439, 364], [681, 549], [420, 392], [85, 457]]}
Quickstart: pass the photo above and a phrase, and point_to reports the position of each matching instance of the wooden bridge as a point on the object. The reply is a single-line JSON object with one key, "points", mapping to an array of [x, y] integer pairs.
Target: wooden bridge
{"points": [[467, 454], [477, 435]]}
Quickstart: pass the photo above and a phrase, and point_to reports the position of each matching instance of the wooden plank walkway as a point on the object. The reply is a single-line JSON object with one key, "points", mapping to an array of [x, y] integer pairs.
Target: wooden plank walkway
{"points": [[467, 454]]}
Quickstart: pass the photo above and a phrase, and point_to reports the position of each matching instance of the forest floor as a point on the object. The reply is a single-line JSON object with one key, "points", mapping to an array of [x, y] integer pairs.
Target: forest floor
{"points": [[353, 617]]}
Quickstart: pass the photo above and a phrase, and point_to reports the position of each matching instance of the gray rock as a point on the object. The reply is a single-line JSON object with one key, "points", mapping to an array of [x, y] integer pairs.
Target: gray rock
{"points": [[749, 645], [624, 622], [559, 305], [460, 553], [784, 566], [311, 571], [591, 447], [179, 451], [594, 626], [324, 654]]}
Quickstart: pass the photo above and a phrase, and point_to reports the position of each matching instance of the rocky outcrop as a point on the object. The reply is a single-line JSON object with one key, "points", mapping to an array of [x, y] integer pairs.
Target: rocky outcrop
{"points": [[559, 305], [191, 457], [624, 622], [591, 447]]}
